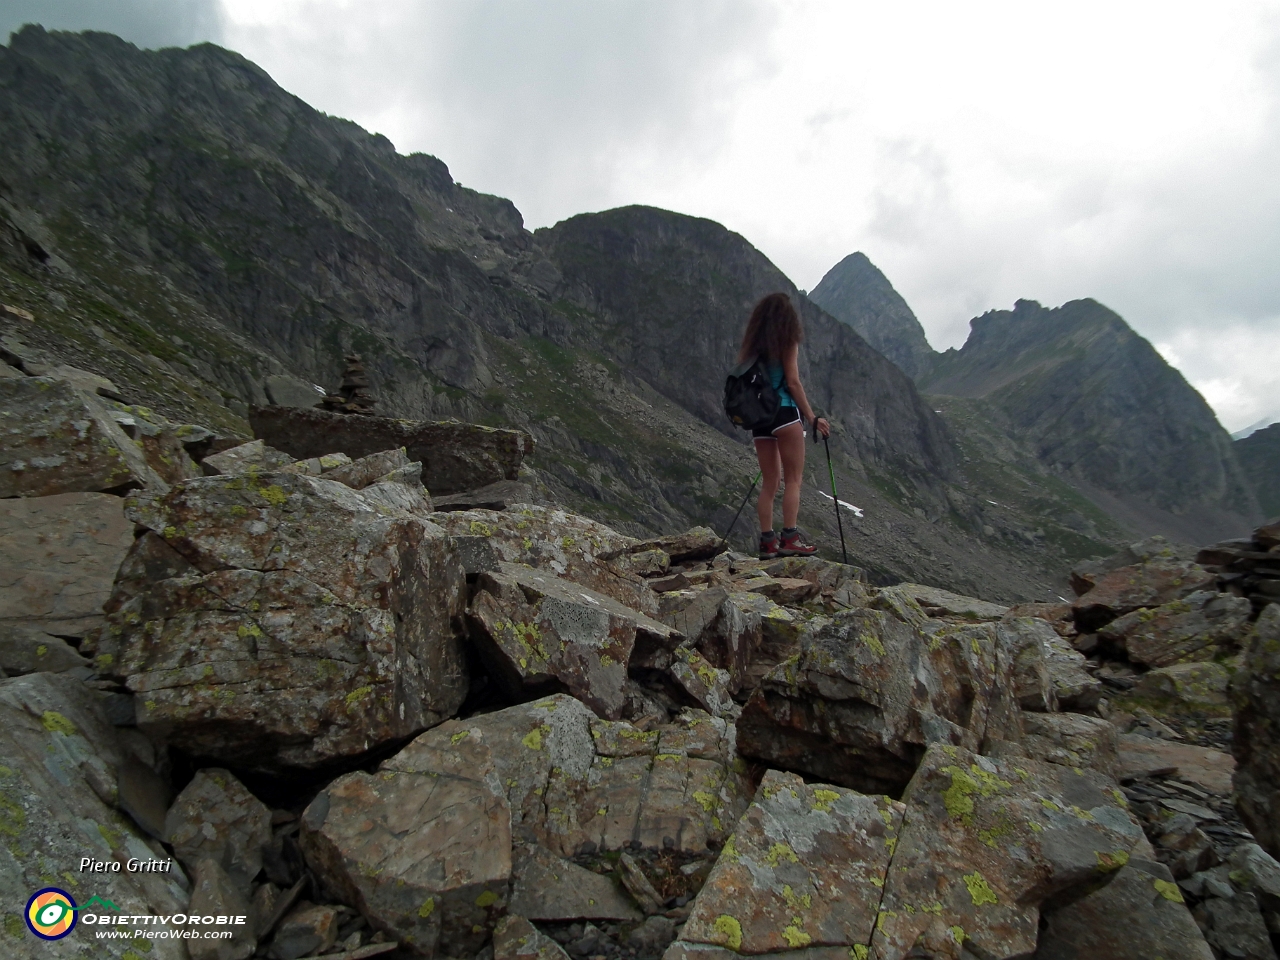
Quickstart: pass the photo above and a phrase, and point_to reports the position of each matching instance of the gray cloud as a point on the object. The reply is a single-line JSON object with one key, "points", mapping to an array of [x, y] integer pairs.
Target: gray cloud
{"points": [[146, 23], [553, 104], [819, 129]]}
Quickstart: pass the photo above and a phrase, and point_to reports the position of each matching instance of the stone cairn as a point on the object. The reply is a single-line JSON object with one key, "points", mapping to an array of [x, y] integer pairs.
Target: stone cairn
{"points": [[1248, 567], [355, 395]]}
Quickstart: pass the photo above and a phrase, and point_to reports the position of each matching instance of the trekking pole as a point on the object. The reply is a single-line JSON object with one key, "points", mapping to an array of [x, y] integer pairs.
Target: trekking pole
{"points": [[835, 497], [725, 538]]}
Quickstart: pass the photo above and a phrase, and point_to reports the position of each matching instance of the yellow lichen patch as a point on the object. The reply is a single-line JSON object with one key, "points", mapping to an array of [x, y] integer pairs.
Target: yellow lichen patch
{"points": [[643, 735], [12, 817], [55, 722], [1111, 862], [428, 907], [486, 899], [459, 737], [796, 901], [727, 932], [111, 836], [1168, 890], [705, 800], [274, 495], [729, 853], [533, 739], [958, 798], [859, 951], [873, 643], [795, 937], [356, 695], [779, 852], [823, 799], [957, 934], [246, 630], [979, 890]]}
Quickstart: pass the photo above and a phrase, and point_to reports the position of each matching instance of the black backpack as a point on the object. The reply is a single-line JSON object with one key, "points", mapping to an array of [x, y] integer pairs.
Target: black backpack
{"points": [[749, 397]]}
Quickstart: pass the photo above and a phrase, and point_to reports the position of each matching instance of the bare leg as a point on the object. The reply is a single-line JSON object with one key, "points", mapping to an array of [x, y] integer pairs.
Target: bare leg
{"points": [[791, 452], [770, 475]]}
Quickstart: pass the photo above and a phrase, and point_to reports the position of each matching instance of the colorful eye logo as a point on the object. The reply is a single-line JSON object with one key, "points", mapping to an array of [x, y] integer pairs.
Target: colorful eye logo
{"points": [[51, 913]]}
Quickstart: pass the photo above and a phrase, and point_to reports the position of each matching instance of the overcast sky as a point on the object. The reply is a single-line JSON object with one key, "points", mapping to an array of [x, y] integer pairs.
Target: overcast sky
{"points": [[976, 152]]}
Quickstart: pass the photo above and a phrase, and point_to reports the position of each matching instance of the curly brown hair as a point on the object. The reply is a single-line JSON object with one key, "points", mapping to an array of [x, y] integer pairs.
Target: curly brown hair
{"points": [[774, 328]]}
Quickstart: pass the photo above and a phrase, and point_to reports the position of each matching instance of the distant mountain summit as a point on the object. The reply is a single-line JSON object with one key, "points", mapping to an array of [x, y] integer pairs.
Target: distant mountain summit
{"points": [[1259, 454], [1097, 402], [855, 292]]}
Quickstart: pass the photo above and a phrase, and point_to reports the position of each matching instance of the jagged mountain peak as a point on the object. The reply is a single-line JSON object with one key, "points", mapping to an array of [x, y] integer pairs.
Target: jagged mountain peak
{"points": [[857, 293], [1097, 402]]}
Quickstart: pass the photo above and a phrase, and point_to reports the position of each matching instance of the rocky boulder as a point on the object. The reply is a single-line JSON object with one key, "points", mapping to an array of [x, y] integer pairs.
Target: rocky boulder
{"points": [[454, 456], [1085, 576], [947, 605], [868, 692], [539, 633], [1194, 628], [1072, 740], [276, 620], [424, 847], [1184, 689], [562, 543], [60, 762], [1256, 744], [698, 543], [59, 555], [984, 843], [216, 818], [55, 439], [805, 868], [245, 457], [1049, 673], [1139, 915], [25, 649], [1149, 584]]}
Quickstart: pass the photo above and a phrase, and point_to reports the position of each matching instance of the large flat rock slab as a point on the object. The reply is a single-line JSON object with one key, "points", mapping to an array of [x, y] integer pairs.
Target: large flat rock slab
{"points": [[1256, 744], [534, 629], [60, 762], [1211, 769], [804, 868], [58, 558], [1140, 915], [870, 689], [557, 542], [455, 457], [55, 439], [280, 620], [429, 847], [984, 843]]}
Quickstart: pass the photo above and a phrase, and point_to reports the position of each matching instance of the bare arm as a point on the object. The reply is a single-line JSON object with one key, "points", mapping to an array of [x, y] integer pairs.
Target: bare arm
{"points": [[791, 370]]}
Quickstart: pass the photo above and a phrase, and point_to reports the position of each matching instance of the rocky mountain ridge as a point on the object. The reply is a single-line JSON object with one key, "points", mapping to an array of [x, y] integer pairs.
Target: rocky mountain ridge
{"points": [[1259, 455], [344, 719], [176, 223], [1098, 404]]}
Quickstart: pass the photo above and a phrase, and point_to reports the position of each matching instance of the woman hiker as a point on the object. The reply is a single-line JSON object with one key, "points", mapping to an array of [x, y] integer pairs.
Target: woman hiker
{"points": [[774, 335]]}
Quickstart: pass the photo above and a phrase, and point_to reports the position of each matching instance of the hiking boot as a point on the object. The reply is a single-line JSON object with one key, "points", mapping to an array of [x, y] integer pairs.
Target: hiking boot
{"points": [[768, 546], [793, 545]]}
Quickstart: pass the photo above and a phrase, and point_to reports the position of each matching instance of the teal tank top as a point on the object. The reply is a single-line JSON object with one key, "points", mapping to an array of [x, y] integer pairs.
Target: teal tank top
{"points": [[778, 380]]}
